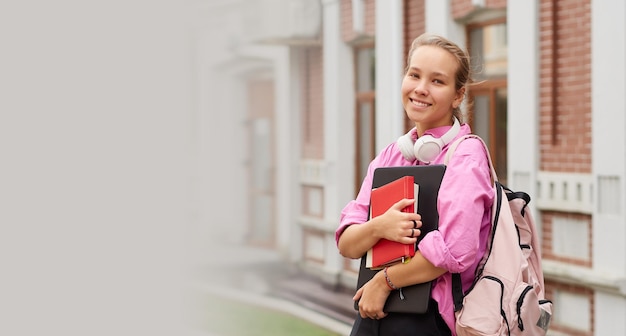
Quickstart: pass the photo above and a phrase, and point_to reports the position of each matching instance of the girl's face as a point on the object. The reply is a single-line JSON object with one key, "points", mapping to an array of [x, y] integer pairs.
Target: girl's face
{"points": [[428, 88]]}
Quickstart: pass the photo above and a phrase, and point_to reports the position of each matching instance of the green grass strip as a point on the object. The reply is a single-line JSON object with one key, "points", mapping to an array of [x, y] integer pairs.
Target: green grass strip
{"points": [[233, 318]]}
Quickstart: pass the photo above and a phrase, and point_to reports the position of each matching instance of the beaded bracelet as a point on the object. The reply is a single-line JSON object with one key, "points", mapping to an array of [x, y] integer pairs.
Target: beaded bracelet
{"points": [[389, 283]]}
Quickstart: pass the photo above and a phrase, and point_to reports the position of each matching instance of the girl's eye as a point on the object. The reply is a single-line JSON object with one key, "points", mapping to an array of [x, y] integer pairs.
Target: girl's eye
{"points": [[437, 81]]}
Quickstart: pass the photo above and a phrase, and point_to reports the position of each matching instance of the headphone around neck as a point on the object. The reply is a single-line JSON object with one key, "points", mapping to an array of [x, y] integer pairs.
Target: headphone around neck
{"points": [[427, 147]]}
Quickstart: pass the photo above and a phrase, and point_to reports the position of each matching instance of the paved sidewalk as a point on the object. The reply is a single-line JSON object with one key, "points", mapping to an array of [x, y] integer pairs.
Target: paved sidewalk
{"points": [[262, 278]]}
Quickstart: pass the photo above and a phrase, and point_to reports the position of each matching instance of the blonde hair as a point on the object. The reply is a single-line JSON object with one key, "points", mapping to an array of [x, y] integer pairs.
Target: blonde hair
{"points": [[463, 73]]}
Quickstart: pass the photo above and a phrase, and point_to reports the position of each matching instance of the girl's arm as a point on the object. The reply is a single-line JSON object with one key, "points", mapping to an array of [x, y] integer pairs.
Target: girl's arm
{"points": [[418, 270]]}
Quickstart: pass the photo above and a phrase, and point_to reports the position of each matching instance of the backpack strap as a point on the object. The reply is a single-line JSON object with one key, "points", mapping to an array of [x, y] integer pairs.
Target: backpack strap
{"points": [[457, 286], [455, 144], [457, 291]]}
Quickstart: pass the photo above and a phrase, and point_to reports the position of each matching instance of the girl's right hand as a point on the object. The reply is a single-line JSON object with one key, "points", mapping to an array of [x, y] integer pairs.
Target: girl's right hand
{"points": [[400, 226]]}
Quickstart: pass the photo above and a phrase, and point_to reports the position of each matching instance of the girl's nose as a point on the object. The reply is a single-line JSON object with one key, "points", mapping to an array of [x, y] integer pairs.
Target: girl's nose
{"points": [[420, 88]]}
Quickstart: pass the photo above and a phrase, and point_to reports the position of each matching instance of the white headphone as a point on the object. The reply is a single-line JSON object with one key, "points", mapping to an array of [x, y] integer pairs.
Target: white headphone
{"points": [[427, 147]]}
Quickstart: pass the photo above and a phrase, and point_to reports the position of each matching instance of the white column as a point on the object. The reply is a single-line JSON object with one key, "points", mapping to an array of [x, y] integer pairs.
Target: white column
{"points": [[439, 21], [608, 73], [523, 94], [389, 71], [338, 128], [293, 111], [609, 312], [287, 149]]}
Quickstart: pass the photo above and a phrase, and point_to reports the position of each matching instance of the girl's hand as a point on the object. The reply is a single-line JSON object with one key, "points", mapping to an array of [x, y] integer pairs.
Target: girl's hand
{"points": [[373, 296], [402, 227]]}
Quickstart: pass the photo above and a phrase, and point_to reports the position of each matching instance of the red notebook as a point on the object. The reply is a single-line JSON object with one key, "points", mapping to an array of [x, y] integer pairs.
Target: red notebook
{"points": [[386, 252]]}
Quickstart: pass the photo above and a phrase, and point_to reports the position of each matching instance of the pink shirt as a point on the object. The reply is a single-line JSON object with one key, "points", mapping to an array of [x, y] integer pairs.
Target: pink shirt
{"points": [[464, 204]]}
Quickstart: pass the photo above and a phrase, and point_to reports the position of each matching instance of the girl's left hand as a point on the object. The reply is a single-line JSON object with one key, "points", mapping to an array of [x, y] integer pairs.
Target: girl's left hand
{"points": [[373, 296]]}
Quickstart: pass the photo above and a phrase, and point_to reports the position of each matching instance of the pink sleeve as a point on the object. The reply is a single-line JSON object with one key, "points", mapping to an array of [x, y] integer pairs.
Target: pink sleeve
{"points": [[464, 201], [357, 210]]}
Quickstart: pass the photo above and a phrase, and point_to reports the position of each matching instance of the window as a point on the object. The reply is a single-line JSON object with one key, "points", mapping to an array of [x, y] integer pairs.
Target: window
{"points": [[488, 51]]}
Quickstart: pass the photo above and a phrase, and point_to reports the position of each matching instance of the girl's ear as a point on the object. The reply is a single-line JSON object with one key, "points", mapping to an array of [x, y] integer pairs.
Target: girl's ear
{"points": [[460, 94]]}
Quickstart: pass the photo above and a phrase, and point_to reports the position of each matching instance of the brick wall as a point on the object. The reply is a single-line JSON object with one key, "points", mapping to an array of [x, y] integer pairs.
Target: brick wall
{"points": [[414, 22], [565, 85], [347, 33], [312, 119], [369, 27], [495, 4], [565, 121], [370, 17], [461, 8]]}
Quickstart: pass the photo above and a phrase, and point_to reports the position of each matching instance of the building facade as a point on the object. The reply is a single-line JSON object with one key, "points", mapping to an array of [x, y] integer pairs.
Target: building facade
{"points": [[298, 96]]}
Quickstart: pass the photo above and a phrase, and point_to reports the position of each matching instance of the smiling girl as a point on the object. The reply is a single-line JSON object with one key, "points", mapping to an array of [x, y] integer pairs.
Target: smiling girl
{"points": [[433, 88]]}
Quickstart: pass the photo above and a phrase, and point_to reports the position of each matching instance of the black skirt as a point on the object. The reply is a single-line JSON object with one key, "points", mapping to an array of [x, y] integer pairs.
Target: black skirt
{"points": [[400, 324]]}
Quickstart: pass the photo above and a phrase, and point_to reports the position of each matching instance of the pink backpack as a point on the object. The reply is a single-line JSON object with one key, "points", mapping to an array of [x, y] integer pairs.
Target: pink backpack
{"points": [[507, 296]]}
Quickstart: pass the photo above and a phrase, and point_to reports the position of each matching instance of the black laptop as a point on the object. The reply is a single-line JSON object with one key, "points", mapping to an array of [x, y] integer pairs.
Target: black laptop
{"points": [[416, 297]]}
